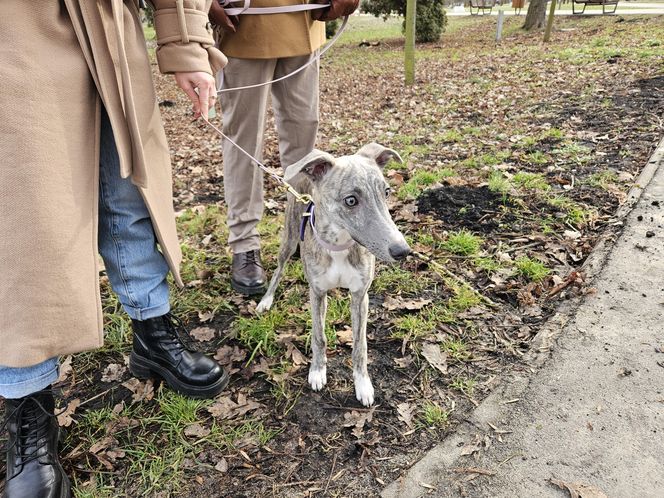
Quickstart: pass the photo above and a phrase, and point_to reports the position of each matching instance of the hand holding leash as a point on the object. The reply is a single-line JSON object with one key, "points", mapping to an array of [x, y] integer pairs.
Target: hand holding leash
{"points": [[201, 89], [337, 9]]}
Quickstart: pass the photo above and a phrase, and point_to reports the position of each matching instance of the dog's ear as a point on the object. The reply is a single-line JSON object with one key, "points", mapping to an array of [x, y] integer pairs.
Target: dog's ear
{"points": [[380, 154], [315, 165]]}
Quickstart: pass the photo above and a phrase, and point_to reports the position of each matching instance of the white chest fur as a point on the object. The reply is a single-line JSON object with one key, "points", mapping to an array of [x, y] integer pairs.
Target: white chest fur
{"points": [[341, 273]]}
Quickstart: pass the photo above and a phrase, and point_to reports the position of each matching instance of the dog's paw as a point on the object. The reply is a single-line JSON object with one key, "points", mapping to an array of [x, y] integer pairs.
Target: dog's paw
{"points": [[317, 378], [265, 304], [364, 391]]}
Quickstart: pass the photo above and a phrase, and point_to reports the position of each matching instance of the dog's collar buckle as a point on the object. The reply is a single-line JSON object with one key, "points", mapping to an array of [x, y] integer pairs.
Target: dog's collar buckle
{"points": [[309, 218]]}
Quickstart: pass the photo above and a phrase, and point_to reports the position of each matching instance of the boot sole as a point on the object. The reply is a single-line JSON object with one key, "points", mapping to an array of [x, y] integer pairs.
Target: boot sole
{"points": [[248, 290], [66, 489], [142, 368]]}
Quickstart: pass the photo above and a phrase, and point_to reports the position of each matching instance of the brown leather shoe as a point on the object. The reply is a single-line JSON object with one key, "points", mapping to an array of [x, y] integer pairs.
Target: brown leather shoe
{"points": [[248, 276]]}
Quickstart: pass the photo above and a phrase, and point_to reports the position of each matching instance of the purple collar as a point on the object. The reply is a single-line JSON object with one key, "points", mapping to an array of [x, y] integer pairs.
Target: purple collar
{"points": [[309, 213]]}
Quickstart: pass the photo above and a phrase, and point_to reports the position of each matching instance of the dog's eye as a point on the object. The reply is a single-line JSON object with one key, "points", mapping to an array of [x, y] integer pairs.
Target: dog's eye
{"points": [[351, 201], [388, 191]]}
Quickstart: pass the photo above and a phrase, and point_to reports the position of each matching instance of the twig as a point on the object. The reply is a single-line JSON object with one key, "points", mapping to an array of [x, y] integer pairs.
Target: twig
{"points": [[334, 463]]}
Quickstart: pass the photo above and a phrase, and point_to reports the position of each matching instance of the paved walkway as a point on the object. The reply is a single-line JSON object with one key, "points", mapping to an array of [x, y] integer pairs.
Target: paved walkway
{"points": [[592, 413]]}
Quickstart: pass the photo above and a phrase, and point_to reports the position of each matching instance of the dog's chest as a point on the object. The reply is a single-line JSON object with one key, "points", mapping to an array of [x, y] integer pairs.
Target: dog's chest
{"points": [[341, 273]]}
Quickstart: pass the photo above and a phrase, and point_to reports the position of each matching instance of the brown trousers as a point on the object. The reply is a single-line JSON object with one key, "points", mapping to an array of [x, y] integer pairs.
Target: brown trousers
{"points": [[295, 105]]}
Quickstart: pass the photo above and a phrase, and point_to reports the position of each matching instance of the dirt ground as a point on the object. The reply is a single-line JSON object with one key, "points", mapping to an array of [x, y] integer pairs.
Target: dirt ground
{"points": [[517, 157]]}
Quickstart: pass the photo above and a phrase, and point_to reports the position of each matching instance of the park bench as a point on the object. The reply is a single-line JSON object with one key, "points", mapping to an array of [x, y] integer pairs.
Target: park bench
{"points": [[603, 3], [481, 5]]}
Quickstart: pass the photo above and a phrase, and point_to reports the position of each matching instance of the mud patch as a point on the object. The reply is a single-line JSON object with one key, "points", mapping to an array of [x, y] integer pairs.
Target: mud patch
{"points": [[475, 208]]}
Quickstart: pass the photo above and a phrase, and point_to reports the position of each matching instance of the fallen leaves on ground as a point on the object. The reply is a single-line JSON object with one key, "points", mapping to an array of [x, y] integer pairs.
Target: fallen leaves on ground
{"points": [[226, 408]]}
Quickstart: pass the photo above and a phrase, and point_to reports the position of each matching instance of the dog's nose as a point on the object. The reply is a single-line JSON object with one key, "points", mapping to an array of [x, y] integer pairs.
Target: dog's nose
{"points": [[399, 251]]}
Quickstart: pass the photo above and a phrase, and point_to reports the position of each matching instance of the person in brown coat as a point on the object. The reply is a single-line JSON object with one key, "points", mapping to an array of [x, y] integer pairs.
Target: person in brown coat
{"points": [[85, 168], [260, 48]]}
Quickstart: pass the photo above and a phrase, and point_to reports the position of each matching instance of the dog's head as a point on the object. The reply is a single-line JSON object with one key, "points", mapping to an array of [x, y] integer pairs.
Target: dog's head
{"points": [[352, 192]]}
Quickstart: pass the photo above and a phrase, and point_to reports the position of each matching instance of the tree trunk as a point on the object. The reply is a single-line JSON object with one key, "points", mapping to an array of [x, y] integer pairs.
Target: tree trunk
{"points": [[535, 16]]}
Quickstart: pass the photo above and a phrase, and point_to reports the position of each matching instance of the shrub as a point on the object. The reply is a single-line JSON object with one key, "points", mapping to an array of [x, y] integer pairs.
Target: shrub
{"points": [[331, 28], [430, 19]]}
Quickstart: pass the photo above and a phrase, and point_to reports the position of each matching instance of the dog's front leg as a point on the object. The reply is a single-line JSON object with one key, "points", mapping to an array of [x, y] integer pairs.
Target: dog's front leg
{"points": [[318, 368], [359, 309]]}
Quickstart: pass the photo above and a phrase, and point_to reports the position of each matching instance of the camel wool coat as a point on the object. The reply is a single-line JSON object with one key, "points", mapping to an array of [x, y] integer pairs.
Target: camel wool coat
{"points": [[61, 61], [272, 36]]}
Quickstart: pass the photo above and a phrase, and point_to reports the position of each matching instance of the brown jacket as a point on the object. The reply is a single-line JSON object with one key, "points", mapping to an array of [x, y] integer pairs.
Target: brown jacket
{"points": [[60, 62], [271, 36]]}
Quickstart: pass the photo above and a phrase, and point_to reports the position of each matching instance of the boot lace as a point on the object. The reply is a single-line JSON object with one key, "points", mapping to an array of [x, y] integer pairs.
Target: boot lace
{"points": [[183, 340], [31, 431], [251, 259]]}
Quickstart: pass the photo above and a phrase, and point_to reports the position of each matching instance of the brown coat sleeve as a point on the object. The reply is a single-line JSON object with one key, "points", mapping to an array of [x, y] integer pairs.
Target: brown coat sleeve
{"points": [[184, 37]]}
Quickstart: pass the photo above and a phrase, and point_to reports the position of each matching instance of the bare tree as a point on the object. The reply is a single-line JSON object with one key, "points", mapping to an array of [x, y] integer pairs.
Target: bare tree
{"points": [[535, 16]]}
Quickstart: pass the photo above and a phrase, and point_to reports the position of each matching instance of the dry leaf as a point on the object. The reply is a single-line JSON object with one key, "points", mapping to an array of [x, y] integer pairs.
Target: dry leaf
{"points": [[295, 354], [65, 370], [226, 408], [357, 420], [196, 430], [436, 358], [222, 466], [205, 317], [65, 417], [143, 391], [345, 336], [107, 451], [405, 413], [226, 355], [113, 372], [392, 303], [404, 362], [578, 490], [203, 334]]}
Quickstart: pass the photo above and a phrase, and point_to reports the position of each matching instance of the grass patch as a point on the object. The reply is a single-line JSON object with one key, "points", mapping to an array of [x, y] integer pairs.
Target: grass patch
{"points": [[433, 415], [463, 299], [463, 243], [531, 269], [464, 384], [258, 334], [422, 179], [395, 280], [499, 183], [487, 264], [456, 349], [530, 181]]}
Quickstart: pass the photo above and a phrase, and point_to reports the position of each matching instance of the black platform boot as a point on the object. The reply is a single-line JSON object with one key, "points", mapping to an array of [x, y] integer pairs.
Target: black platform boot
{"points": [[163, 349], [33, 467]]}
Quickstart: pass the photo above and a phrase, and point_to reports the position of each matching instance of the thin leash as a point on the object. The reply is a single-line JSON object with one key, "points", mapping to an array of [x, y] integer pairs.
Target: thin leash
{"points": [[303, 198], [315, 58], [306, 198]]}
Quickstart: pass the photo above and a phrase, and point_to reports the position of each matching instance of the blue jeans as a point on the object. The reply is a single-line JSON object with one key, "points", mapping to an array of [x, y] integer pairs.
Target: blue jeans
{"points": [[127, 243]]}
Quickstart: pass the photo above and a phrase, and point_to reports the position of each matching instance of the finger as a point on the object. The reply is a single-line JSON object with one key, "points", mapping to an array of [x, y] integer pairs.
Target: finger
{"points": [[188, 88], [204, 99]]}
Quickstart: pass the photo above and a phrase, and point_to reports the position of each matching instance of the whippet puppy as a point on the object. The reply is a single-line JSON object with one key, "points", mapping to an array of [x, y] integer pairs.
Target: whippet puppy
{"points": [[341, 233]]}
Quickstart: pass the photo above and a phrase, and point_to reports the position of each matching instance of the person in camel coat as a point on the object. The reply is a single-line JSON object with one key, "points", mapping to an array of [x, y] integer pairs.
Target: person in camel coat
{"points": [[85, 169]]}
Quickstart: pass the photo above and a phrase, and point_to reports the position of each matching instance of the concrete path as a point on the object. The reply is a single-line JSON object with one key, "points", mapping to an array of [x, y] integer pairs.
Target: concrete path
{"points": [[592, 412]]}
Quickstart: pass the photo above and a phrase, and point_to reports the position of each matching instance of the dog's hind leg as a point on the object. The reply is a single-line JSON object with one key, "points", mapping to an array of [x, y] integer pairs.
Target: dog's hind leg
{"points": [[318, 368], [359, 309], [289, 241]]}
